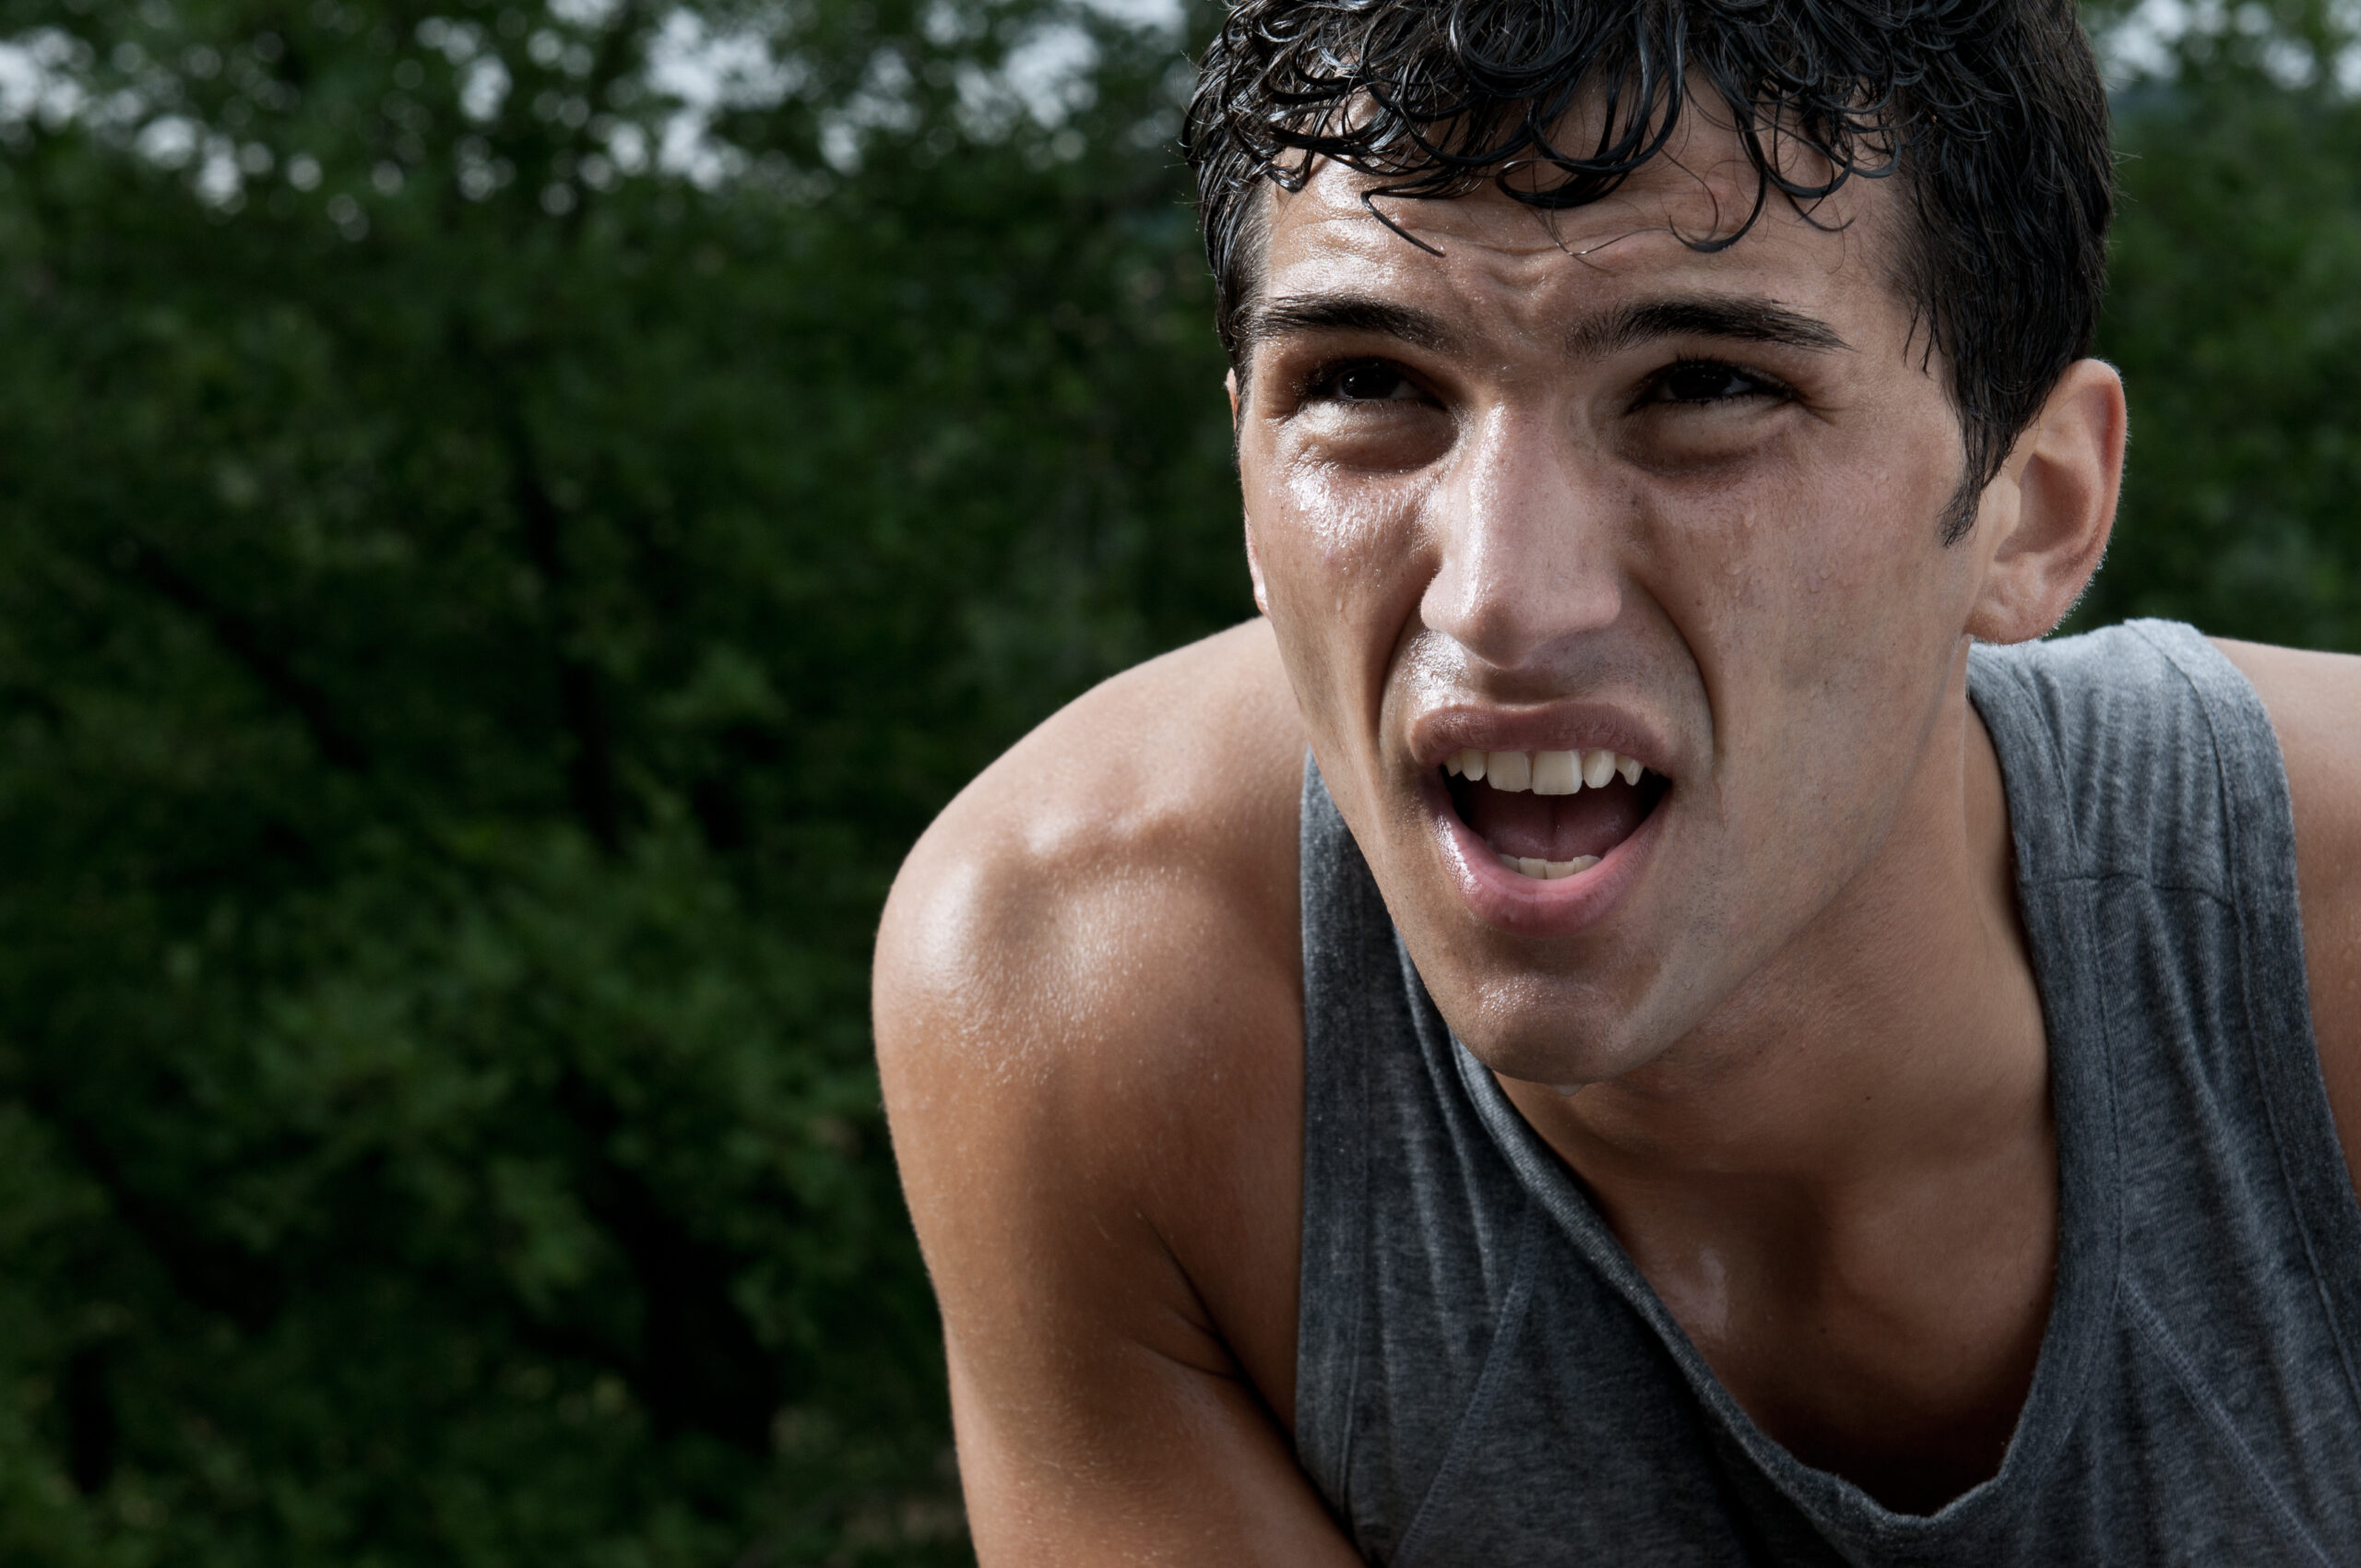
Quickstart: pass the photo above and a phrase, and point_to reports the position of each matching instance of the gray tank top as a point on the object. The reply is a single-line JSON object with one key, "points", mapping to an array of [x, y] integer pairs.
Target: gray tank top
{"points": [[1485, 1378]]}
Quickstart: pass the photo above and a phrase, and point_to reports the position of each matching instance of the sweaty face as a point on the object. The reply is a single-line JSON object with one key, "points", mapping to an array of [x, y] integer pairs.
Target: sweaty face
{"points": [[1609, 577]]}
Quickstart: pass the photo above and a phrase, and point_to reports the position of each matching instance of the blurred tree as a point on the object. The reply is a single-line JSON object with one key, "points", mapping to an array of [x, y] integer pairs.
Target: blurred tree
{"points": [[2234, 315], [516, 519], [516, 515]]}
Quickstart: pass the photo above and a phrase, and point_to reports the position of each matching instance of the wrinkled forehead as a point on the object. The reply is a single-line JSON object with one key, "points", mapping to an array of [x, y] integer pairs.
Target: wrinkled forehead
{"points": [[1700, 214]]}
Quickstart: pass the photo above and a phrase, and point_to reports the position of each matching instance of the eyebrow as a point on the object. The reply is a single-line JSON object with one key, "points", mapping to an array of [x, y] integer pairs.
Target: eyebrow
{"points": [[1742, 320], [1347, 313], [1612, 331]]}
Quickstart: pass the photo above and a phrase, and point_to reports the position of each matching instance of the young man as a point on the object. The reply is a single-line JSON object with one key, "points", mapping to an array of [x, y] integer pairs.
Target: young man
{"points": [[1711, 1065]]}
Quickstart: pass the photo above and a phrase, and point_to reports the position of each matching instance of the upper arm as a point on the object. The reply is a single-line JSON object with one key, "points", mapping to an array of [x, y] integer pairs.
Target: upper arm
{"points": [[1083, 1126], [2314, 700]]}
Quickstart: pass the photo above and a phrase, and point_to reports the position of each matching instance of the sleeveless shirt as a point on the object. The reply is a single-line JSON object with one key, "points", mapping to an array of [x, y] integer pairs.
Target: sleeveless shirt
{"points": [[1484, 1378]]}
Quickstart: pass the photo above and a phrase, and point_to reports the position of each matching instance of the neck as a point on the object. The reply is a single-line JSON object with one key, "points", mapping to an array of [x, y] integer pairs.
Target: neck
{"points": [[1843, 1185]]}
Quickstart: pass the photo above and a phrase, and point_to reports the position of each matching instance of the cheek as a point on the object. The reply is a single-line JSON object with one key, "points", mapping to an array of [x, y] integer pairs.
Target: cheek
{"points": [[1332, 542], [1834, 551], [1340, 556], [1823, 610], [1331, 526], [1879, 578]]}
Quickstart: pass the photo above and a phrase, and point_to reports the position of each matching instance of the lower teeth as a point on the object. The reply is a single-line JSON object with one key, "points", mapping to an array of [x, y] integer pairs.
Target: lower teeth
{"points": [[1546, 871]]}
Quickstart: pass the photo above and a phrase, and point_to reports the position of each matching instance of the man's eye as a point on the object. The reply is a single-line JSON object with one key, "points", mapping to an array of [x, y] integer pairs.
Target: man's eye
{"points": [[1708, 381], [1369, 383]]}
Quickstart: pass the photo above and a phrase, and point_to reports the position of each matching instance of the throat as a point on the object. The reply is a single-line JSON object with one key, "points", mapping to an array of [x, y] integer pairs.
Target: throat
{"points": [[1893, 1345]]}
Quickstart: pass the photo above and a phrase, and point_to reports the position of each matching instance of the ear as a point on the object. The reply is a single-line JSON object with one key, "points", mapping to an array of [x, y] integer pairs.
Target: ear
{"points": [[1255, 570], [1253, 561], [2046, 516]]}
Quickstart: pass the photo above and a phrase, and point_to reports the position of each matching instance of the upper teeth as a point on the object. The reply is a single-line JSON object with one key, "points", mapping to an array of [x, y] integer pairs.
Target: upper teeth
{"points": [[1544, 773]]}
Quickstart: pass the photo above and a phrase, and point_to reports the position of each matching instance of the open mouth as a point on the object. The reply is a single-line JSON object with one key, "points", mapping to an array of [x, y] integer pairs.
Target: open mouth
{"points": [[1551, 815]]}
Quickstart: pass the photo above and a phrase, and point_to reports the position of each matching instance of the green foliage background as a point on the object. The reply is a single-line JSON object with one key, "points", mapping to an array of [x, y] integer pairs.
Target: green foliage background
{"points": [[482, 614], [2234, 315]]}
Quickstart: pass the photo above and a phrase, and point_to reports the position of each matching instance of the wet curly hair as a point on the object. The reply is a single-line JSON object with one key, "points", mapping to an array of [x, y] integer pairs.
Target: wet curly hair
{"points": [[1988, 112]]}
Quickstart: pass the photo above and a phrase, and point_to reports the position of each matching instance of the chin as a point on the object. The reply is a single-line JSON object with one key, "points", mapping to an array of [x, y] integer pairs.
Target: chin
{"points": [[1560, 1045]]}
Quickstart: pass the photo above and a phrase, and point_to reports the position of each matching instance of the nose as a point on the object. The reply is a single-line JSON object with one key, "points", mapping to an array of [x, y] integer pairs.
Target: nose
{"points": [[1527, 520]]}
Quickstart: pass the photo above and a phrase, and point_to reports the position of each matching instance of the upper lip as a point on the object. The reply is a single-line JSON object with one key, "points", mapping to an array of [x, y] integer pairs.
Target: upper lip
{"points": [[1577, 725]]}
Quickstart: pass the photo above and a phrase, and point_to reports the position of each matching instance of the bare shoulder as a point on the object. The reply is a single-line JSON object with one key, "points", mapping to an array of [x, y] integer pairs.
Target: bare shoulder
{"points": [[2314, 700], [1186, 764], [1088, 996], [1092, 872]]}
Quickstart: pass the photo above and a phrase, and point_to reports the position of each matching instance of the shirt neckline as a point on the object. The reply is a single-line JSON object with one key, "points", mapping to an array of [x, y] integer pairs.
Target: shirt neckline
{"points": [[2055, 903]]}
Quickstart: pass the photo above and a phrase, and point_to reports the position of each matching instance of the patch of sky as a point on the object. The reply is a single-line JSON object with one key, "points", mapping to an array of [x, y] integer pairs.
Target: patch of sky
{"points": [[483, 88], [882, 102], [42, 78], [168, 141], [1148, 15], [2140, 47], [699, 67], [705, 72], [2144, 45], [590, 16]]}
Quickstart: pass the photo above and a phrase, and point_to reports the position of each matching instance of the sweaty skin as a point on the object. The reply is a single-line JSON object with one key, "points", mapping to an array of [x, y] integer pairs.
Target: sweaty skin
{"points": [[1568, 484]]}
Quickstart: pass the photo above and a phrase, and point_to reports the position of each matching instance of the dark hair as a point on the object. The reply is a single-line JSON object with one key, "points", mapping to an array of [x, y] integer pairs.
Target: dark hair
{"points": [[1989, 111]]}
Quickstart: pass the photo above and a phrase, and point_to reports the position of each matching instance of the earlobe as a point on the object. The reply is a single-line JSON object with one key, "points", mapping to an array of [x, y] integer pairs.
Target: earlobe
{"points": [[1253, 561], [1255, 570], [2053, 522]]}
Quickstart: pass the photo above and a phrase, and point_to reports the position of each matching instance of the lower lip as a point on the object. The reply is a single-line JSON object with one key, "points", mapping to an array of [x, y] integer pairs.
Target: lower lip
{"points": [[1528, 906]]}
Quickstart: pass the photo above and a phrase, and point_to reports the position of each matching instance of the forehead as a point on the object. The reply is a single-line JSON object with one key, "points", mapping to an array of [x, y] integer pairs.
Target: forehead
{"points": [[1489, 253]]}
